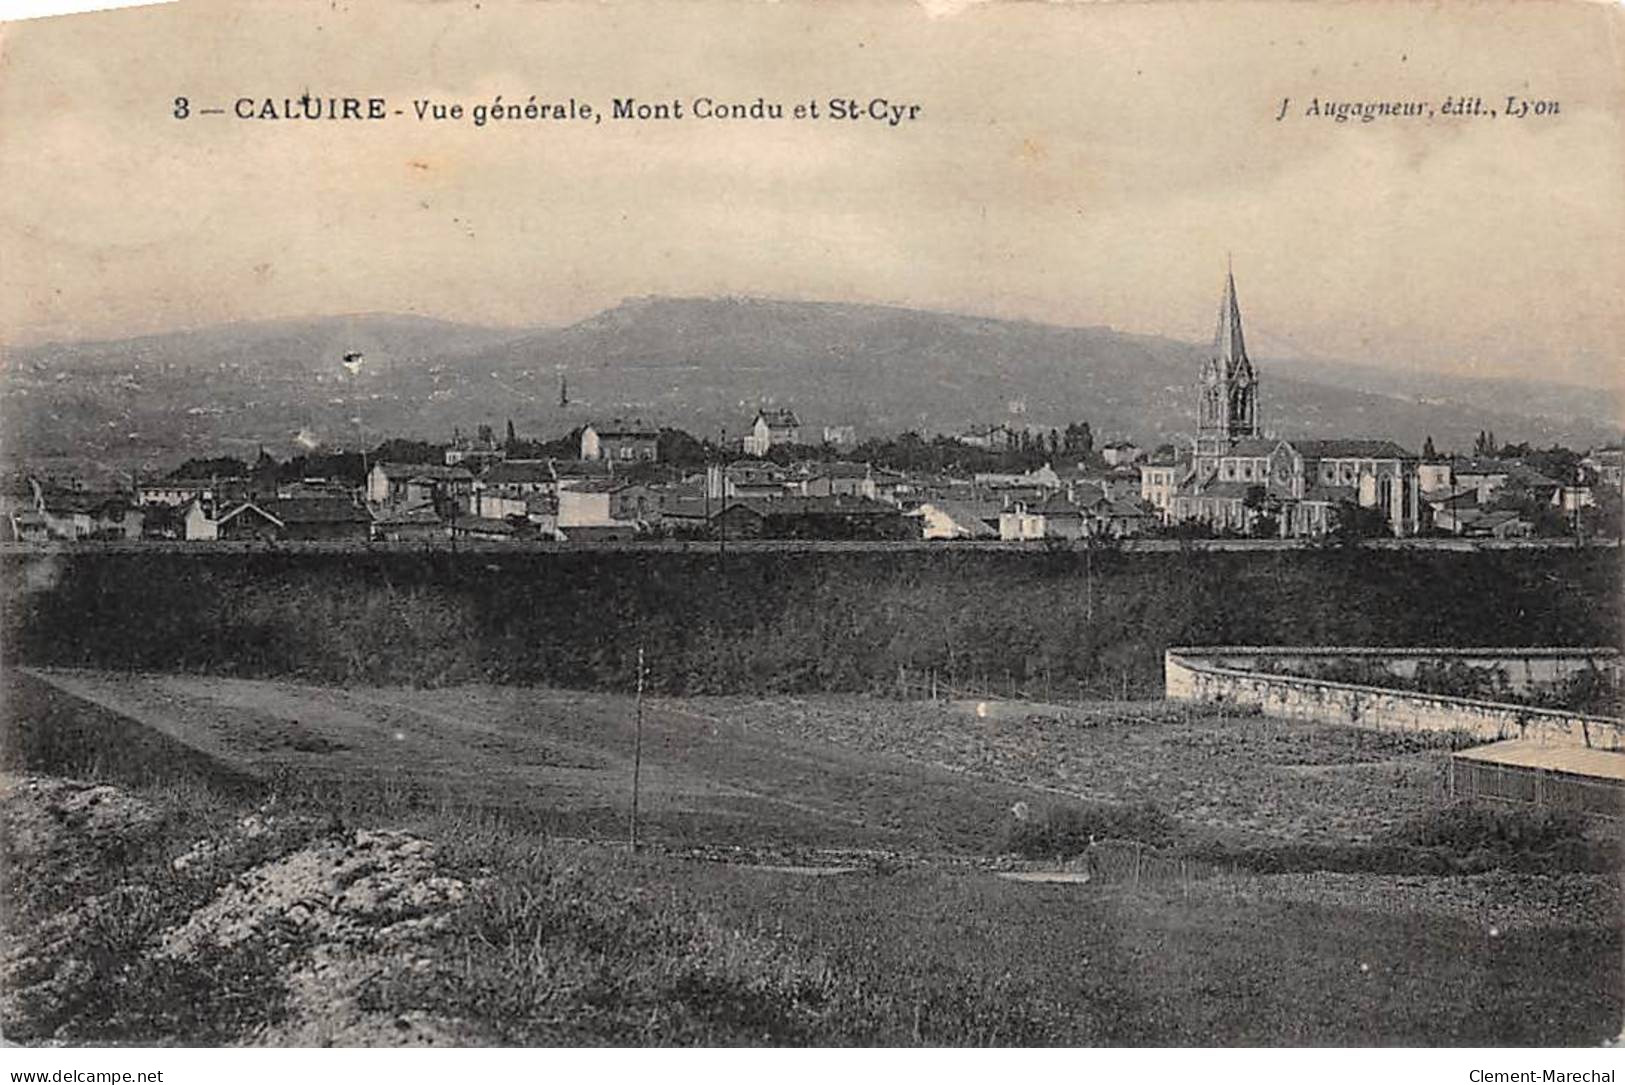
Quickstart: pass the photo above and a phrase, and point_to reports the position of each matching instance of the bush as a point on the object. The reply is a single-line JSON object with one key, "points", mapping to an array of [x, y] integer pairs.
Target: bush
{"points": [[1462, 829], [1062, 831]]}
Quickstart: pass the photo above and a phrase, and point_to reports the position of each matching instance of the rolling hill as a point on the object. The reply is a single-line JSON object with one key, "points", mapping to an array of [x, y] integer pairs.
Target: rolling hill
{"points": [[702, 364]]}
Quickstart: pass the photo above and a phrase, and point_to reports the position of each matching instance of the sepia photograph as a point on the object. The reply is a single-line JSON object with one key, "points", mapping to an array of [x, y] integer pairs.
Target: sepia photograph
{"points": [[866, 524]]}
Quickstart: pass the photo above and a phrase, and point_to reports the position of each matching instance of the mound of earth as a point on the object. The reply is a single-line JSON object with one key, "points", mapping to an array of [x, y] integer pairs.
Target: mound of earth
{"points": [[318, 913]]}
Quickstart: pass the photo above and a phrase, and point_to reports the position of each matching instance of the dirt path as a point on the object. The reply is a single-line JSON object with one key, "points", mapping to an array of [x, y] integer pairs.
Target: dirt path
{"points": [[565, 758]]}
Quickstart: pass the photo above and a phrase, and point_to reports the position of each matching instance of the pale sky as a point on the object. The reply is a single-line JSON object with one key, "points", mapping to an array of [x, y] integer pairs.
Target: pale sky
{"points": [[1073, 164]]}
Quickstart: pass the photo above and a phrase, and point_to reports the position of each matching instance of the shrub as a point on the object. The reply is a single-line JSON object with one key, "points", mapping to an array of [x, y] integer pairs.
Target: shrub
{"points": [[1463, 828], [1057, 830]]}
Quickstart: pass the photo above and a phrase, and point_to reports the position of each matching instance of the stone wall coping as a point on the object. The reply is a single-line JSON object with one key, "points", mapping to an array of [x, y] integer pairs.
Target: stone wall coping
{"points": [[1600, 652], [1530, 711]]}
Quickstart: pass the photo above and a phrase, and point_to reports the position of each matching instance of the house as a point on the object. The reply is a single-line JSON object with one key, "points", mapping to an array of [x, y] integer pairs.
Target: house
{"points": [[1158, 481], [87, 514], [1451, 510], [1606, 466], [1121, 454], [1435, 475], [248, 522], [328, 518], [841, 436], [413, 523], [811, 518], [571, 473], [620, 441], [175, 492], [197, 525], [942, 519], [483, 529], [413, 483], [519, 478], [1490, 476], [1499, 524], [1053, 518], [1571, 499], [1120, 518], [773, 426], [498, 506], [163, 521], [749, 480], [839, 480], [476, 453], [686, 514], [27, 525], [607, 501], [994, 438]]}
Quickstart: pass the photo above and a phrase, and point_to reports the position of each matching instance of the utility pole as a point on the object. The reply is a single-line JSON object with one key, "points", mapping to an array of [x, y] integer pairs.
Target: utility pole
{"points": [[637, 753], [722, 516]]}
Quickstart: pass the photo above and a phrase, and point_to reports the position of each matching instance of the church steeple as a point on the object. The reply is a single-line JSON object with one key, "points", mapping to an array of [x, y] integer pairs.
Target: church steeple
{"points": [[1228, 408]]}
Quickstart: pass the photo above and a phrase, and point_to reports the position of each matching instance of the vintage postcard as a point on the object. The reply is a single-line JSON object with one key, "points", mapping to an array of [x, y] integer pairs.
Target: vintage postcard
{"points": [[860, 523]]}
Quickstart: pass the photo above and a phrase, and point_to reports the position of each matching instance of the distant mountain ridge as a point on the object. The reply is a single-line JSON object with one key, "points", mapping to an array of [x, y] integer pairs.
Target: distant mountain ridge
{"points": [[705, 365]]}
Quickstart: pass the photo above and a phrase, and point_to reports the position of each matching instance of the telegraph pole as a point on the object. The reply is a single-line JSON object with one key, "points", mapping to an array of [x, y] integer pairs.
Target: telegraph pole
{"points": [[637, 754], [722, 517]]}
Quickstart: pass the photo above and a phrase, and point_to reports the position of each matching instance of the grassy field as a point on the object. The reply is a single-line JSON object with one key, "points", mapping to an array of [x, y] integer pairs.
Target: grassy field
{"points": [[562, 936]]}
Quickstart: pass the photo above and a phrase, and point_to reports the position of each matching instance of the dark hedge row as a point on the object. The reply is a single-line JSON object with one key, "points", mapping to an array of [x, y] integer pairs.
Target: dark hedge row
{"points": [[776, 622]]}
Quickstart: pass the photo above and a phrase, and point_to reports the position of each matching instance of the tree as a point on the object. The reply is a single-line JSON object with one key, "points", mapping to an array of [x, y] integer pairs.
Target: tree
{"points": [[1078, 440], [401, 450], [1265, 507], [211, 467], [682, 449], [1352, 522]]}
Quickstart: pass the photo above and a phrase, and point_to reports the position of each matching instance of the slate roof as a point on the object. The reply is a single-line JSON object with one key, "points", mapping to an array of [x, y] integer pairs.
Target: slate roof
{"points": [[839, 505], [1225, 490], [319, 510], [779, 417], [416, 515], [598, 486], [1350, 448], [244, 508], [518, 471], [434, 471], [626, 428]]}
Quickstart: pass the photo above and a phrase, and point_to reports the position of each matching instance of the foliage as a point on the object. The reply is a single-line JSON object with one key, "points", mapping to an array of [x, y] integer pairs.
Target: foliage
{"points": [[211, 467], [401, 450], [1062, 831], [773, 622]]}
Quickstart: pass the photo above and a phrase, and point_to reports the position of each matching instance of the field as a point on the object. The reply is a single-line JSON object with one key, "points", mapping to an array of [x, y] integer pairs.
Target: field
{"points": [[816, 870]]}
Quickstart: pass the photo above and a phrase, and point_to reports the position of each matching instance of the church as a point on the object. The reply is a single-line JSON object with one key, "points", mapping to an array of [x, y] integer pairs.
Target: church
{"points": [[1236, 479]]}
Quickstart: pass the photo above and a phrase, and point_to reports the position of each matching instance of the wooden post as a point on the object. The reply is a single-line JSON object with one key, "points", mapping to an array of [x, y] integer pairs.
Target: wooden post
{"points": [[933, 685], [637, 753]]}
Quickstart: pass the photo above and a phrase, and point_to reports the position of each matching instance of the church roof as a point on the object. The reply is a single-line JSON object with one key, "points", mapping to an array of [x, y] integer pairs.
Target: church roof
{"points": [[1253, 446], [1349, 448]]}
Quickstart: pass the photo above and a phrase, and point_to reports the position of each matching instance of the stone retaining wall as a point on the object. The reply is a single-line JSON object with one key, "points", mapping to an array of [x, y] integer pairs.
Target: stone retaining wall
{"points": [[1210, 675]]}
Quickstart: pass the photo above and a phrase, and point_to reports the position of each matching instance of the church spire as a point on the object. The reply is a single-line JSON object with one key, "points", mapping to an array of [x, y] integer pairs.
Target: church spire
{"points": [[1228, 408], [1229, 347]]}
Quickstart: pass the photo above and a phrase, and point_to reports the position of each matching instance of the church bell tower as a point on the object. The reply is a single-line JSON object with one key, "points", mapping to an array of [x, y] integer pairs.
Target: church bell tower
{"points": [[1228, 408]]}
